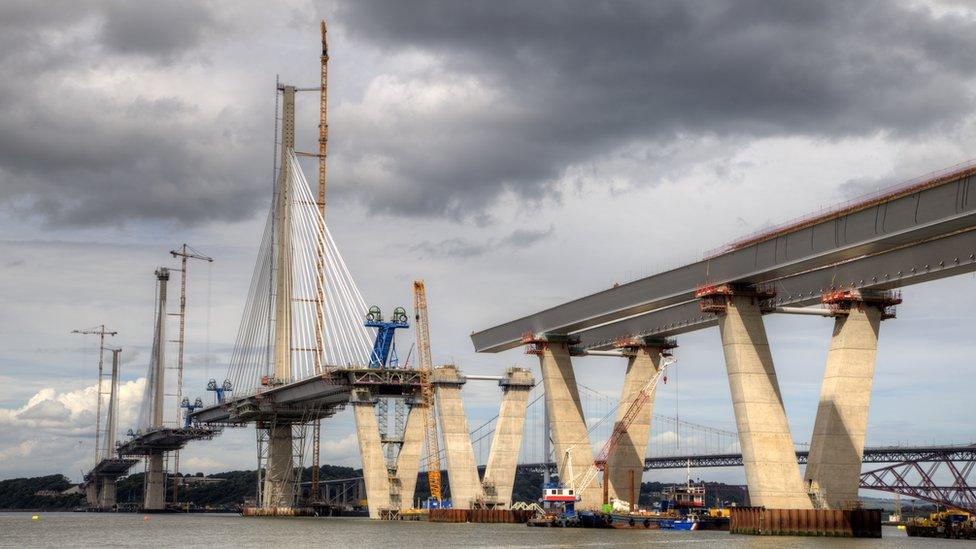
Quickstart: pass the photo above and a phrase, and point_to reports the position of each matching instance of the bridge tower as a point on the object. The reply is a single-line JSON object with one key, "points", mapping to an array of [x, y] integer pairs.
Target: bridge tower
{"points": [[278, 486], [155, 497]]}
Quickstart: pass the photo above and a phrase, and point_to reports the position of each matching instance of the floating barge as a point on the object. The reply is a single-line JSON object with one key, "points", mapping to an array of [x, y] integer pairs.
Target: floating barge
{"points": [[845, 523]]}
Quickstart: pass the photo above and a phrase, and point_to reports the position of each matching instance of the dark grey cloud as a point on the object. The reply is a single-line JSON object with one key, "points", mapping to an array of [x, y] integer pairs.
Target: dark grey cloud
{"points": [[77, 152], [533, 89], [159, 29], [580, 79]]}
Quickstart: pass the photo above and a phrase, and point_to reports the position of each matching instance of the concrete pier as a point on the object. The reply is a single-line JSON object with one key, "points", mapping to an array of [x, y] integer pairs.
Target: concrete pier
{"points": [[376, 477], [627, 462], [155, 498], [462, 468], [279, 473], [768, 454], [837, 445], [106, 493], [566, 422], [507, 441], [408, 462]]}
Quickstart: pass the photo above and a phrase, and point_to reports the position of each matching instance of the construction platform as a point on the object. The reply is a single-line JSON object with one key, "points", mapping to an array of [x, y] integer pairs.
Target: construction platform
{"points": [[165, 439], [111, 468], [309, 399]]}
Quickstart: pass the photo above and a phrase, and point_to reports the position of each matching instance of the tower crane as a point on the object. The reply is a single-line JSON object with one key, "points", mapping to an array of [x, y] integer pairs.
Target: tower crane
{"points": [[185, 253], [101, 332], [426, 389], [619, 430]]}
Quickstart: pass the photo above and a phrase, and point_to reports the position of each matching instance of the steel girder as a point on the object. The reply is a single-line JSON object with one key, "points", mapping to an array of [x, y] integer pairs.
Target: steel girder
{"points": [[664, 304]]}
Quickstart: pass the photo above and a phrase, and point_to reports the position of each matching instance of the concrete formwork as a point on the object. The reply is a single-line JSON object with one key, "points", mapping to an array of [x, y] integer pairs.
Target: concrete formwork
{"points": [[836, 448], [627, 461], [507, 440], [408, 462], [768, 454], [155, 497], [462, 468], [376, 477], [566, 422]]}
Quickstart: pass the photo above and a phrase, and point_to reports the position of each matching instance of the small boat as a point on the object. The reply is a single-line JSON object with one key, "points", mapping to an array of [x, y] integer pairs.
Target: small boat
{"points": [[685, 523]]}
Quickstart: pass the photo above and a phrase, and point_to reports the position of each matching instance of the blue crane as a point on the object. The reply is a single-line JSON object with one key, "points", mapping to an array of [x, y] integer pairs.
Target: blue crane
{"points": [[384, 348]]}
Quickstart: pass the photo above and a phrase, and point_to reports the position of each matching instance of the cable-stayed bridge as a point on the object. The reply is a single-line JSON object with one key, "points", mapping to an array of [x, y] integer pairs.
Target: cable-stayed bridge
{"points": [[302, 350]]}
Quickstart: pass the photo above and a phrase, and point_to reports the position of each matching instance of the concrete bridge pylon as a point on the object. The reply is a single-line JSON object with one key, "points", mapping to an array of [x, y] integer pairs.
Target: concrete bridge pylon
{"points": [[626, 464], [499, 479], [462, 467], [837, 446], [768, 453], [567, 425]]}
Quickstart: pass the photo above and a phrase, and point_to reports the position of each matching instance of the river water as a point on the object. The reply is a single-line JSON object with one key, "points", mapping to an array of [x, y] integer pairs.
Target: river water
{"points": [[188, 531]]}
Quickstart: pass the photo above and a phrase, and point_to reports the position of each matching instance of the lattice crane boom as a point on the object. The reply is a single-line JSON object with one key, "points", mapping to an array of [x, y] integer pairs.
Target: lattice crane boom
{"points": [[427, 390], [319, 282]]}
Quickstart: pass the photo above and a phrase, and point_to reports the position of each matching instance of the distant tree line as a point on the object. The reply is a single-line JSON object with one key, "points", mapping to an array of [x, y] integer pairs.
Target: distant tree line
{"points": [[22, 493], [237, 486]]}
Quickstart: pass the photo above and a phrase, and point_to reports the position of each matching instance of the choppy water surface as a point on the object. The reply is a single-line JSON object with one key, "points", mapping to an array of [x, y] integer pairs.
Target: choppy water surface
{"points": [[188, 531]]}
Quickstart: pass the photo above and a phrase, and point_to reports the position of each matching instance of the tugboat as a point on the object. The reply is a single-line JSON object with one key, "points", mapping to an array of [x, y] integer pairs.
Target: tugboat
{"points": [[558, 507]]}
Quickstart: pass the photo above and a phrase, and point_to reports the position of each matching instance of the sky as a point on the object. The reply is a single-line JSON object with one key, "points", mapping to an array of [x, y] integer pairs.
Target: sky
{"points": [[514, 155]]}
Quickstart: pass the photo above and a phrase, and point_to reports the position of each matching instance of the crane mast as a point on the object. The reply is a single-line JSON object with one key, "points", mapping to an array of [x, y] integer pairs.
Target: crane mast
{"points": [[426, 389], [185, 253], [320, 260]]}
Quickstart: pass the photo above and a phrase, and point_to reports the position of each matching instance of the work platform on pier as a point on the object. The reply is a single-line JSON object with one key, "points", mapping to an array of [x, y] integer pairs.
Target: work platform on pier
{"points": [[157, 441], [308, 399]]}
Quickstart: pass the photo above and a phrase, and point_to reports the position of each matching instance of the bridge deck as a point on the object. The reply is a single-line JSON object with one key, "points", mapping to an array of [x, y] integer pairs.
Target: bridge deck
{"points": [[309, 399], [111, 468], [162, 440], [890, 242]]}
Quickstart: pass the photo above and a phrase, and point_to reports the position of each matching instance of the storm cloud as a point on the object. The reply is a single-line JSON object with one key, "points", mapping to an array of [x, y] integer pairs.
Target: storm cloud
{"points": [[535, 88]]}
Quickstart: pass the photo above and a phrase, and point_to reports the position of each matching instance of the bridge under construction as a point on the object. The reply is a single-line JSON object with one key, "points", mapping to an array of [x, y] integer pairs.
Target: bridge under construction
{"points": [[308, 346]]}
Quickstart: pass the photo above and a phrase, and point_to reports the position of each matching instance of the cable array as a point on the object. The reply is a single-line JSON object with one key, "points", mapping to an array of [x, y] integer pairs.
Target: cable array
{"points": [[345, 341]]}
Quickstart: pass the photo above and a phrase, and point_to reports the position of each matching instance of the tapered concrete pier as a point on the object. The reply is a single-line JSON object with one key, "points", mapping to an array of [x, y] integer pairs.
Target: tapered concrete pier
{"points": [[768, 454], [106, 493], [573, 452], [408, 462], [507, 440], [462, 468], [376, 476], [627, 462], [837, 446]]}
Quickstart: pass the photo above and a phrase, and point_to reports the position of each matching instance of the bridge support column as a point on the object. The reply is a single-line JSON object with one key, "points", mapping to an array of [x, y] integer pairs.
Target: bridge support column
{"points": [[837, 446], [566, 422], [507, 441], [279, 469], [627, 462], [408, 462], [462, 468], [91, 493], [155, 496], [106, 492], [768, 454], [376, 476]]}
